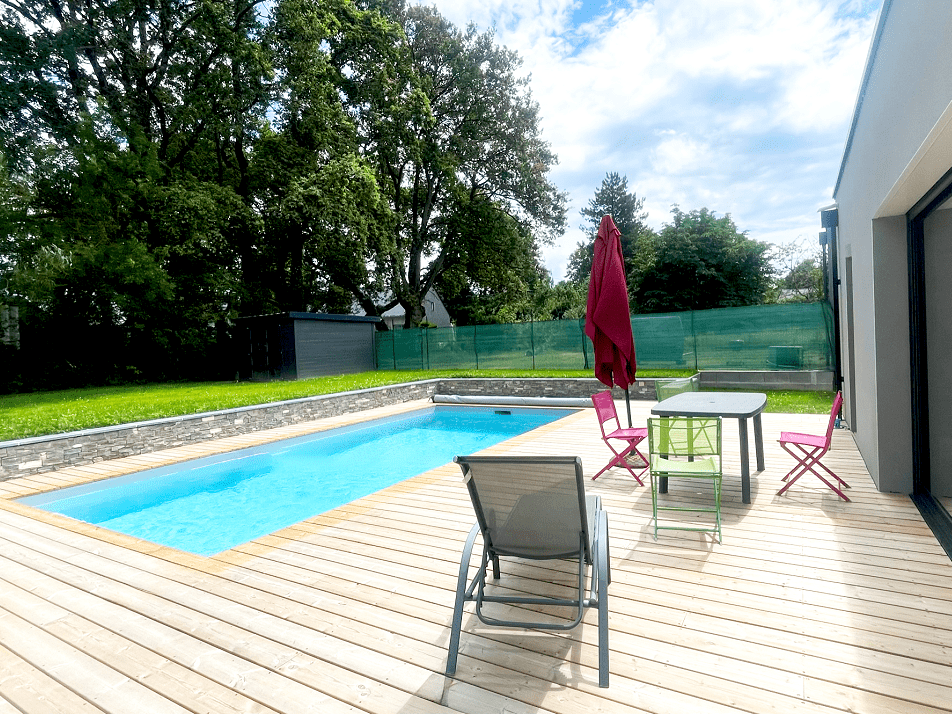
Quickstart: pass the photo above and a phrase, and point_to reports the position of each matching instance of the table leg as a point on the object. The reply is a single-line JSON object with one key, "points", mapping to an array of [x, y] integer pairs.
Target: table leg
{"points": [[744, 461], [759, 442]]}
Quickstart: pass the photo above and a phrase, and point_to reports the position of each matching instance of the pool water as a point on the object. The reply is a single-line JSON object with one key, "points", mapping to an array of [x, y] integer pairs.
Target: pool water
{"points": [[212, 504]]}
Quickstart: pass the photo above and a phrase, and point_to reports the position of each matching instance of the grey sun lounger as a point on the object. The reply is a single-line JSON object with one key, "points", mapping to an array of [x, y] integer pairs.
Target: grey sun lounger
{"points": [[534, 507]]}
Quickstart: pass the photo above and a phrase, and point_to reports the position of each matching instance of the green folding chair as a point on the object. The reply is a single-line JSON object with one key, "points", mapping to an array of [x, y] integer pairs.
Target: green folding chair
{"points": [[665, 388], [685, 448]]}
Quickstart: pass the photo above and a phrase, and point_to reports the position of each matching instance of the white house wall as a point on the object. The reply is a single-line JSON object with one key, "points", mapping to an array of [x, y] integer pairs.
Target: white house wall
{"points": [[908, 88]]}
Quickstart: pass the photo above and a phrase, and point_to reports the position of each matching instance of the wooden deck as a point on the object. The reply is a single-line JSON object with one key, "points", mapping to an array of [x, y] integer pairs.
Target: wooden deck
{"points": [[809, 605]]}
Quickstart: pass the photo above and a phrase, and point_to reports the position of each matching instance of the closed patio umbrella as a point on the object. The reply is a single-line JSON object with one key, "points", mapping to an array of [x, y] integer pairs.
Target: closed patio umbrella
{"points": [[607, 314]]}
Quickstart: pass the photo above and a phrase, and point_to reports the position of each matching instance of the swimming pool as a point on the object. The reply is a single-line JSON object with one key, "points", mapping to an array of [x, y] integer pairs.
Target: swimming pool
{"points": [[212, 504]]}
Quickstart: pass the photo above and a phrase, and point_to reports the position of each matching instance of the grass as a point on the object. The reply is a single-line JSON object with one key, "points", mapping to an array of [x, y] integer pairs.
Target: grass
{"points": [[797, 402], [41, 413]]}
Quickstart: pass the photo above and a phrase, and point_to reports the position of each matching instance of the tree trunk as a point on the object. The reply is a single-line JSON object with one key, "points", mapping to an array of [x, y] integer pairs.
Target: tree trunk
{"points": [[414, 314]]}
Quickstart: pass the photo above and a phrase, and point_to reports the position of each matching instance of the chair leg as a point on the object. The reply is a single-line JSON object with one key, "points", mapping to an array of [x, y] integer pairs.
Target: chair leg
{"points": [[832, 487], [461, 588], [806, 464], [825, 468], [654, 504], [717, 508], [619, 460]]}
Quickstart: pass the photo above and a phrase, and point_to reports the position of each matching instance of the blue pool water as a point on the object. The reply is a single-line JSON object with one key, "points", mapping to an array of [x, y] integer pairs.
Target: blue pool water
{"points": [[209, 505]]}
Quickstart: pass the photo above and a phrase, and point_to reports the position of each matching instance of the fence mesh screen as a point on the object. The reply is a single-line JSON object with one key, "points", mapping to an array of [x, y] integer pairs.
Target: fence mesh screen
{"points": [[760, 337]]}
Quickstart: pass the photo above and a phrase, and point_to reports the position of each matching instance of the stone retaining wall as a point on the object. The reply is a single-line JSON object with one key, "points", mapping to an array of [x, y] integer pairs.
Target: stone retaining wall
{"points": [[27, 456], [800, 380], [23, 457], [539, 387]]}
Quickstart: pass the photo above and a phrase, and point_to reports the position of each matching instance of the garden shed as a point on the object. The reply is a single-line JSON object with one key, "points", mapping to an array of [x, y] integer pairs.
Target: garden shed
{"points": [[297, 345]]}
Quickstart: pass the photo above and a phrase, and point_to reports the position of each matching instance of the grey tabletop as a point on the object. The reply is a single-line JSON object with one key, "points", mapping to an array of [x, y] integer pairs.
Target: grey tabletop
{"points": [[737, 405]]}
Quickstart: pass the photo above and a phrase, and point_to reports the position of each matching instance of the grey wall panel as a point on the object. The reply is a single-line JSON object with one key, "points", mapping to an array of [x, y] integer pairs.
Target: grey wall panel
{"points": [[890, 409], [325, 347]]}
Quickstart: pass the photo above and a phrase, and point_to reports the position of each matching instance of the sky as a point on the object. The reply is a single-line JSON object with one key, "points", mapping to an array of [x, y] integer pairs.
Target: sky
{"points": [[739, 106]]}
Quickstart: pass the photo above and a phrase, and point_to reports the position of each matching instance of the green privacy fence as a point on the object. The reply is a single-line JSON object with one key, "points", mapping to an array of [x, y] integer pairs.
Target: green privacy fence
{"points": [[787, 336]]}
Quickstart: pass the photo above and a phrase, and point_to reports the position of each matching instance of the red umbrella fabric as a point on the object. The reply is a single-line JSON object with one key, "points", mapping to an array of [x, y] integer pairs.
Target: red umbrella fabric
{"points": [[607, 315]]}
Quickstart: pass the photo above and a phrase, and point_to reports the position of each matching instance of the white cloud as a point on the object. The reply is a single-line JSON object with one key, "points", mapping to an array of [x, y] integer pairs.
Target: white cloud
{"points": [[678, 154], [739, 106]]}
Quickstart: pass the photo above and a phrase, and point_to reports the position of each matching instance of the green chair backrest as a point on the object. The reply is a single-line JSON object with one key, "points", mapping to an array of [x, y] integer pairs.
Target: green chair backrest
{"points": [[665, 388], [685, 436]]}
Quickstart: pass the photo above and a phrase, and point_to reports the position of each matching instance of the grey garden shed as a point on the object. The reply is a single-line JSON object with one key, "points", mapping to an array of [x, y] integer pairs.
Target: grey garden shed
{"points": [[297, 345]]}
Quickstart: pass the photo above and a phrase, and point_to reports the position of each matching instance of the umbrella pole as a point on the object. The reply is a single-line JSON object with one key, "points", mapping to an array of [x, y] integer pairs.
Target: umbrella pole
{"points": [[628, 406]]}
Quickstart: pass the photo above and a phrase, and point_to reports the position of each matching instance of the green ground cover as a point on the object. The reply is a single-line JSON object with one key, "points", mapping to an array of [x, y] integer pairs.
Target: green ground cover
{"points": [[40, 413]]}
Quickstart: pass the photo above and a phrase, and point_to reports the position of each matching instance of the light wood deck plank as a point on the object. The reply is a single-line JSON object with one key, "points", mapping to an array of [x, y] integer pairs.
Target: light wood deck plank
{"points": [[26, 688], [810, 605]]}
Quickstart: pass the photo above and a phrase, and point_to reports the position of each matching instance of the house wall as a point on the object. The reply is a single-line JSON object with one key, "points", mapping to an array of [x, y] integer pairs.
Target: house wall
{"points": [[907, 89], [893, 398]]}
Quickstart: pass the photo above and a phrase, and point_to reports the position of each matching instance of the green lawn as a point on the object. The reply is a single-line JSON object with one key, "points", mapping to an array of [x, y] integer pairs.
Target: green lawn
{"points": [[39, 413]]}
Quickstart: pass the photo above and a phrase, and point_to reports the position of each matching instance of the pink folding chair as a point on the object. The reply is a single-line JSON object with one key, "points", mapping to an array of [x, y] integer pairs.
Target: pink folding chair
{"points": [[605, 410], [810, 450]]}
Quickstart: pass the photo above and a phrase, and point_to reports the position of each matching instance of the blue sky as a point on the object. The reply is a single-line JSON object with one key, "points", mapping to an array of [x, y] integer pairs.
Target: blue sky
{"points": [[738, 106]]}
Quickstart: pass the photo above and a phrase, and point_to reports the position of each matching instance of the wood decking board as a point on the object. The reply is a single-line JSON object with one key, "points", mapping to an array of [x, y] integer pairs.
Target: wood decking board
{"points": [[731, 648], [941, 654], [876, 623], [215, 645], [26, 688], [810, 605]]}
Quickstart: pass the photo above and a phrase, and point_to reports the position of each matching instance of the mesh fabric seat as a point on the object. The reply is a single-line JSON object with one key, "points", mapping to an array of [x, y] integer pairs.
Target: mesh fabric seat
{"points": [[690, 448], [534, 507], [665, 388], [808, 449], [605, 411]]}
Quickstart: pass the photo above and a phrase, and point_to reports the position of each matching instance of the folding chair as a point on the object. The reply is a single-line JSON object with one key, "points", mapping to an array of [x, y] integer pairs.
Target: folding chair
{"points": [[665, 388], [605, 411], [686, 447], [810, 449], [534, 507]]}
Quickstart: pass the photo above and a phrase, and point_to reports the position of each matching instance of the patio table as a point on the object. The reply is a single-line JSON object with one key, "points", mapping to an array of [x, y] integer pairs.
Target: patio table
{"points": [[731, 405]]}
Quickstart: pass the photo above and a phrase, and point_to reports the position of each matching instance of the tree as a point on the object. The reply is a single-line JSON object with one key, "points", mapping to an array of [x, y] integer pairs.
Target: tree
{"points": [[698, 262], [168, 166], [626, 209], [804, 283], [567, 301], [154, 74], [799, 263], [477, 290], [463, 167], [130, 123], [324, 220]]}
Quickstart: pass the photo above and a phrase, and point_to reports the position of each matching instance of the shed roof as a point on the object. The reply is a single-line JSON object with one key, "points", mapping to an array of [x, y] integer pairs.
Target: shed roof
{"points": [[330, 317]]}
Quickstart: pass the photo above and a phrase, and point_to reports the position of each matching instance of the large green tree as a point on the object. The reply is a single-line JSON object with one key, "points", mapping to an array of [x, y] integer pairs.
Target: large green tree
{"points": [[462, 162], [130, 121], [168, 165], [158, 75], [324, 220], [699, 261]]}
